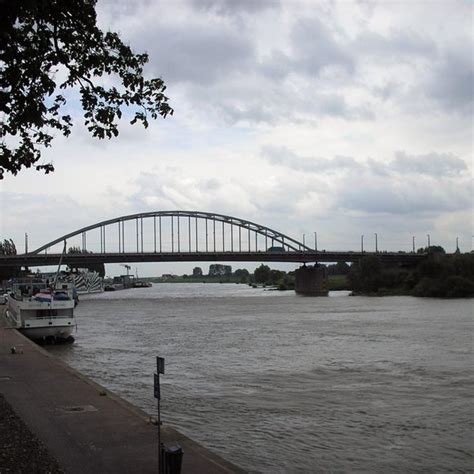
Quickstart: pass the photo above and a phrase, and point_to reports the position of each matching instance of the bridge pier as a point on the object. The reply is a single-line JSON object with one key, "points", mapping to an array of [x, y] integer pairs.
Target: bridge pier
{"points": [[311, 281]]}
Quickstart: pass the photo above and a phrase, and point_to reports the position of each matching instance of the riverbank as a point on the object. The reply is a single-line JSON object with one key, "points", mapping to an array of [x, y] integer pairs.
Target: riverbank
{"points": [[335, 282], [82, 425]]}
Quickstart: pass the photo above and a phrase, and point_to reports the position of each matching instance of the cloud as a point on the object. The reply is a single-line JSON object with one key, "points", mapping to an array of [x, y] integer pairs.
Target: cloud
{"points": [[451, 83], [284, 157], [409, 184], [430, 164], [199, 53], [414, 197], [395, 45], [232, 7], [315, 47]]}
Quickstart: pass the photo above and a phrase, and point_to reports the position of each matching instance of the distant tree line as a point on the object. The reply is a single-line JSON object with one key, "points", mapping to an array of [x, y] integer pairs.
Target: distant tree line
{"points": [[439, 275]]}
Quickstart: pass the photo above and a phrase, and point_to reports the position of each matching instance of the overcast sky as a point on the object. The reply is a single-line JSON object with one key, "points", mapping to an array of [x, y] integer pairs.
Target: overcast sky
{"points": [[344, 118]]}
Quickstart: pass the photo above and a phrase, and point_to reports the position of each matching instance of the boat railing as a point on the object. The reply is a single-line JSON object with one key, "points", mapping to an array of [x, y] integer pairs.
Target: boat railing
{"points": [[63, 316]]}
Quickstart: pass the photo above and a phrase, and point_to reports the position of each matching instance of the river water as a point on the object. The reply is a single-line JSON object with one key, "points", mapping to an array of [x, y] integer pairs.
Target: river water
{"points": [[279, 383]]}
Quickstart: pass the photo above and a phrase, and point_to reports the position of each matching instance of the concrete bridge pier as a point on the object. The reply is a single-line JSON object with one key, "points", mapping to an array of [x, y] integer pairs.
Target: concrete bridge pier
{"points": [[311, 281]]}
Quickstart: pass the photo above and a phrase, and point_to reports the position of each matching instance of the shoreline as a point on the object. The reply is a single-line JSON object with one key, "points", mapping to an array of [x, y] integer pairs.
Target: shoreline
{"points": [[76, 421]]}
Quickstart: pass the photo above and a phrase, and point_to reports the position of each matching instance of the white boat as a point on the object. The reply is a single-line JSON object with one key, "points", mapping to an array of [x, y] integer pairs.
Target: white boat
{"points": [[41, 312]]}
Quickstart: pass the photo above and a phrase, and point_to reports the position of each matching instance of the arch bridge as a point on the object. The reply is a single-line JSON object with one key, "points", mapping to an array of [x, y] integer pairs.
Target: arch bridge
{"points": [[182, 236]]}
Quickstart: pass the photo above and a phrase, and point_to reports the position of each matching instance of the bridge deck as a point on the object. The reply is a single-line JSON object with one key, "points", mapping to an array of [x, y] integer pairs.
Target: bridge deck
{"points": [[34, 260]]}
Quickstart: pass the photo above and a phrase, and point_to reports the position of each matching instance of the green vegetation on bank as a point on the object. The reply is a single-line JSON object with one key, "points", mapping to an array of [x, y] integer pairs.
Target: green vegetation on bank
{"points": [[262, 276], [439, 275]]}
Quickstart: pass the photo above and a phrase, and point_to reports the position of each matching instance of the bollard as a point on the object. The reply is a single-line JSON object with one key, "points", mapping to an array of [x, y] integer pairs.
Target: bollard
{"points": [[171, 459]]}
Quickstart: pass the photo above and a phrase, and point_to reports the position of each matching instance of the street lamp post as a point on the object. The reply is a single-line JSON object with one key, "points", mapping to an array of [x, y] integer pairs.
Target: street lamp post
{"points": [[413, 244], [316, 241], [362, 243], [376, 243], [304, 244], [429, 240]]}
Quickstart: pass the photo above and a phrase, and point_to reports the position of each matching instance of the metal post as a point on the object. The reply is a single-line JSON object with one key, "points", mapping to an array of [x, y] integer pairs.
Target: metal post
{"points": [[154, 234], [223, 238], [197, 234], [159, 224], [429, 240], [136, 227], [214, 232], [172, 234], [189, 233], [362, 243], [240, 239], [207, 244], [315, 241], [123, 236], [26, 242], [141, 230], [376, 243], [457, 244], [231, 237], [413, 241], [179, 244], [256, 242], [249, 239], [160, 369], [304, 244]]}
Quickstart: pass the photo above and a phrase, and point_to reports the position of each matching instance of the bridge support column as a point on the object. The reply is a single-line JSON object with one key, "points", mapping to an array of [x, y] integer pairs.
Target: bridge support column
{"points": [[311, 281]]}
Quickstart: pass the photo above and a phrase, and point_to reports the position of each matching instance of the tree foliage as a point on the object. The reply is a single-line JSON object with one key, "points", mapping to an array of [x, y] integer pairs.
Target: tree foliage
{"points": [[42, 41], [93, 267], [8, 247], [439, 275], [216, 269], [197, 272]]}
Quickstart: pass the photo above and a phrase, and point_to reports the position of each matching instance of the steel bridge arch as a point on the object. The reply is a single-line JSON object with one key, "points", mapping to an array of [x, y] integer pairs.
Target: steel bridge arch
{"points": [[250, 226]]}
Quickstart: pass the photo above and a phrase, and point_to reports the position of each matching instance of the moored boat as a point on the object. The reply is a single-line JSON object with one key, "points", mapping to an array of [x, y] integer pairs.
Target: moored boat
{"points": [[41, 312]]}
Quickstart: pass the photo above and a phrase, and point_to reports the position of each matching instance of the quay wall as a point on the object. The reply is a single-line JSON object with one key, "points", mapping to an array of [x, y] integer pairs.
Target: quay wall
{"points": [[86, 427]]}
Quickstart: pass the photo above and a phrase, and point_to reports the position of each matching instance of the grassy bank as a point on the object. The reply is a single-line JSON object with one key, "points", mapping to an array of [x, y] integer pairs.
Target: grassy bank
{"points": [[335, 282]]}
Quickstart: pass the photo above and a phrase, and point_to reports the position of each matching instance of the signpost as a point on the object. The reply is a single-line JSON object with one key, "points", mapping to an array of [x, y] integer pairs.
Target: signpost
{"points": [[160, 369]]}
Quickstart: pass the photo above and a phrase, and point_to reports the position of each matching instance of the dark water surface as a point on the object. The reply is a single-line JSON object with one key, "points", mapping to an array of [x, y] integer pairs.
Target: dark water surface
{"points": [[279, 383]]}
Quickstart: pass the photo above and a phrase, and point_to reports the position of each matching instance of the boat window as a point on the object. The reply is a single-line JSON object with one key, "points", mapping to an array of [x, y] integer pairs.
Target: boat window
{"points": [[46, 313]]}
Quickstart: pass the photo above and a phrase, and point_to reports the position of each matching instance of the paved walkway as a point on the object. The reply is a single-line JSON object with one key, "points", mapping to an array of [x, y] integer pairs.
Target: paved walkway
{"points": [[84, 426]]}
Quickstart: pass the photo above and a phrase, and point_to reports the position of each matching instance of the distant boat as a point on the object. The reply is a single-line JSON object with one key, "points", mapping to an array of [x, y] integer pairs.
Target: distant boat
{"points": [[40, 311], [86, 281], [141, 284]]}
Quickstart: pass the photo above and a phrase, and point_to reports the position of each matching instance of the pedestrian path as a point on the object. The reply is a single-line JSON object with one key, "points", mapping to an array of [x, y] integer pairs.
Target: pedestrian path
{"points": [[84, 426]]}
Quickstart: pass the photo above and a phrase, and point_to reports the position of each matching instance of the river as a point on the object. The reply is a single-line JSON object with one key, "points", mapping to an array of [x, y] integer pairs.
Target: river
{"points": [[279, 383]]}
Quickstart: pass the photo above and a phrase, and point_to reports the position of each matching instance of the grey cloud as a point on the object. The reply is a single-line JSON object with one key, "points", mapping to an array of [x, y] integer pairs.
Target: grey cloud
{"points": [[452, 82], [270, 105], [395, 45], [198, 54], [404, 197], [212, 184], [432, 164], [315, 47], [284, 157], [232, 7]]}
